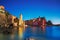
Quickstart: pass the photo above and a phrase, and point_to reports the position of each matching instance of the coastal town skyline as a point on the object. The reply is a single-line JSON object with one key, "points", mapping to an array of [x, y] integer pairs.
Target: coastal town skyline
{"points": [[30, 19], [33, 9]]}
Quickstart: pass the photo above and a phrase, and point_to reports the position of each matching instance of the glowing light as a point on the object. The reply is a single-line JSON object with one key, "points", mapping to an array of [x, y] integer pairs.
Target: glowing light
{"points": [[20, 32], [21, 27]]}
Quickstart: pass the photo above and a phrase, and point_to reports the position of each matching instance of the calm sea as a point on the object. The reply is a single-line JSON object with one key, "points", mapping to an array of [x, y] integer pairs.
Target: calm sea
{"points": [[35, 33]]}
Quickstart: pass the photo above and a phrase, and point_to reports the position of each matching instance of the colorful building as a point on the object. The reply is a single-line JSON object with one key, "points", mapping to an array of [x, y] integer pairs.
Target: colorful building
{"points": [[36, 22]]}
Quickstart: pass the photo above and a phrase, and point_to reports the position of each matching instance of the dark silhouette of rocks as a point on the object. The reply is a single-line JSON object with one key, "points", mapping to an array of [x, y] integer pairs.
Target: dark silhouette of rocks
{"points": [[49, 23]]}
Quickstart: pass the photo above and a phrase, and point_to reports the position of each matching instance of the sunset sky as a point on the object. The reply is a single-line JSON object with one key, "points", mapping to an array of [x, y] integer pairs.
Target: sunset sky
{"points": [[50, 9]]}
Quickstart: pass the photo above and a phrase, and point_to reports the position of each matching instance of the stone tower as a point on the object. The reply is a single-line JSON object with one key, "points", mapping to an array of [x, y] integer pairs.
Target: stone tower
{"points": [[21, 26], [20, 20]]}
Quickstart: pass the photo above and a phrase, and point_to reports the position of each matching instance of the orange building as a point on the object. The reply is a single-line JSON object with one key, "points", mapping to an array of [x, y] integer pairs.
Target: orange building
{"points": [[2, 7]]}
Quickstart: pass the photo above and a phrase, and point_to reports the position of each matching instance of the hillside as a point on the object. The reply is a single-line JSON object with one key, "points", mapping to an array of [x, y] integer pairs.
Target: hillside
{"points": [[5, 17]]}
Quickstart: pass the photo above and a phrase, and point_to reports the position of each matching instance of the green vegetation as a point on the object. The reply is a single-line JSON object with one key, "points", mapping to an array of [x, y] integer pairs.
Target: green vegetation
{"points": [[49, 23]]}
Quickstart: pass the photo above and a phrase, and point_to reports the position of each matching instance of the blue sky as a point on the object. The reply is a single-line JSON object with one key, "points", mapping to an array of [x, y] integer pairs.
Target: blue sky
{"points": [[50, 9]]}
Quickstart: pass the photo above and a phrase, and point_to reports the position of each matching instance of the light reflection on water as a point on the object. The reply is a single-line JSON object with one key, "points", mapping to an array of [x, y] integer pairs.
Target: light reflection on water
{"points": [[35, 33]]}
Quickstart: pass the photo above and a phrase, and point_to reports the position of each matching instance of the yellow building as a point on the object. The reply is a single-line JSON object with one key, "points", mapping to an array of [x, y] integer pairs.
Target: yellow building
{"points": [[21, 26], [20, 20], [13, 17], [2, 9], [15, 24]]}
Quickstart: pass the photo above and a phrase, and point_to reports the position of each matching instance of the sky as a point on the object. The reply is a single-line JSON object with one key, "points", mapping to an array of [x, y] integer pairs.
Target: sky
{"points": [[50, 9]]}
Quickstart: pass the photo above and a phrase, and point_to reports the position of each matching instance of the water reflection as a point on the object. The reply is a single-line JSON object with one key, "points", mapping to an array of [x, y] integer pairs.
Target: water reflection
{"points": [[20, 32], [43, 28], [34, 33], [12, 36], [33, 29]]}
